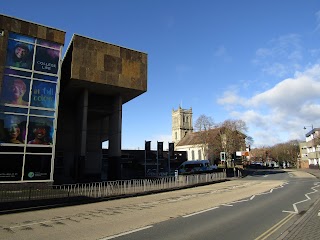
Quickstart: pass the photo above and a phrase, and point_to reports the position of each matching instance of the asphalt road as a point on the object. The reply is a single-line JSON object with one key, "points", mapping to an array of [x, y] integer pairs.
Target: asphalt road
{"points": [[256, 207]]}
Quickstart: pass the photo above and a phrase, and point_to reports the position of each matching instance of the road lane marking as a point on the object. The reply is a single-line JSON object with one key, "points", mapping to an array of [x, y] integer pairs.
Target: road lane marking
{"points": [[296, 211], [253, 196], [126, 233], [274, 228], [192, 214]]}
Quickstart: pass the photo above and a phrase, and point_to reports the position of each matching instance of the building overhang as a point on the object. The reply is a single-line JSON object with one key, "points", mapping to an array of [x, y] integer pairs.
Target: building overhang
{"points": [[103, 69]]}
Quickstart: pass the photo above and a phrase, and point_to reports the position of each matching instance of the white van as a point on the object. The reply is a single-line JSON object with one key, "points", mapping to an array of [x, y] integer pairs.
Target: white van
{"points": [[195, 166]]}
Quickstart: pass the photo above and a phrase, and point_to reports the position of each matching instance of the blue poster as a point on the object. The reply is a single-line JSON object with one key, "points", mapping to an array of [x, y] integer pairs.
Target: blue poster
{"points": [[19, 54], [43, 94]]}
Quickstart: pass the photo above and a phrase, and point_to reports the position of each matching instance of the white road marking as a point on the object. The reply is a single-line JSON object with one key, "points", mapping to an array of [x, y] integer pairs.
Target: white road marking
{"points": [[308, 198], [207, 210], [231, 203], [126, 233]]}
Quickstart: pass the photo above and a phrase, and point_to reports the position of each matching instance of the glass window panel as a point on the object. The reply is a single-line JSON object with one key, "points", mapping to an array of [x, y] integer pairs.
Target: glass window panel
{"points": [[47, 60], [13, 109], [42, 112], [48, 44], [37, 167], [15, 91], [19, 54], [42, 149], [40, 131], [43, 94], [14, 148], [45, 77], [21, 37], [10, 71], [13, 128], [11, 167]]}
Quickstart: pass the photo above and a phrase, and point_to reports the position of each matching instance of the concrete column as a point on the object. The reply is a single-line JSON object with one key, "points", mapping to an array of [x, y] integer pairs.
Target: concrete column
{"points": [[115, 129], [82, 119]]}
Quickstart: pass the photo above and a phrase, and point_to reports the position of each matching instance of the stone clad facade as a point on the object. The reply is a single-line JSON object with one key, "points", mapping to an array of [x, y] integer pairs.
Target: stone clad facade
{"points": [[105, 63]]}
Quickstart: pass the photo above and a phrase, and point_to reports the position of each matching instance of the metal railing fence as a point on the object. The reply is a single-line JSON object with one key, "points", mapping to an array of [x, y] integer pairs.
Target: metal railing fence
{"points": [[105, 189]]}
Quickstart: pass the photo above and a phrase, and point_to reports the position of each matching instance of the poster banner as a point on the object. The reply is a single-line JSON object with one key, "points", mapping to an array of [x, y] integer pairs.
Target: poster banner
{"points": [[37, 167], [43, 94], [160, 150], [171, 150], [19, 54], [147, 149], [47, 60], [40, 131], [12, 128], [15, 91], [11, 167]]}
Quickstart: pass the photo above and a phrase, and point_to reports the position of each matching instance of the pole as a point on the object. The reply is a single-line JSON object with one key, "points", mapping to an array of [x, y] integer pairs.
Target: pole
{"points": [[169, 153], [145, 159], [157, 159]]}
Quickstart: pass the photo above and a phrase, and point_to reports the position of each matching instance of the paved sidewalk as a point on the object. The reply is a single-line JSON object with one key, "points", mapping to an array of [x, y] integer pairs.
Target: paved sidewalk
{"points": [[308, 226]]}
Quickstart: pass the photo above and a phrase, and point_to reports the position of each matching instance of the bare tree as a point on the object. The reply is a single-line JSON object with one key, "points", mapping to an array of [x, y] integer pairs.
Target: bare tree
{"points": [[203, 125], [281, 152], [233, 136]]}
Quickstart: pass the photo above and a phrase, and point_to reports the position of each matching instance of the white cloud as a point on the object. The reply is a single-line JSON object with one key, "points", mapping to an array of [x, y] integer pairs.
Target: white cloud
{"points": [[222, 53], [279, 113], [281, 57]]}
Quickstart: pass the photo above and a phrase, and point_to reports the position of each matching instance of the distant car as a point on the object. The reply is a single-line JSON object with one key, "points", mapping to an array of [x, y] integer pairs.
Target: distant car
{"points": [[196, 166]]}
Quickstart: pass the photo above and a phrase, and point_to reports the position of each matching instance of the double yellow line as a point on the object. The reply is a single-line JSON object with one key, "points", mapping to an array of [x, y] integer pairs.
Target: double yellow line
{"points": [[270, 231]]}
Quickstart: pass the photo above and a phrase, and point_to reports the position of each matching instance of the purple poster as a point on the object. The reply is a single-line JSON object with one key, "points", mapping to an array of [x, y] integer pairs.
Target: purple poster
{"points": [[13, 128], [47, 60], [15, 91]]}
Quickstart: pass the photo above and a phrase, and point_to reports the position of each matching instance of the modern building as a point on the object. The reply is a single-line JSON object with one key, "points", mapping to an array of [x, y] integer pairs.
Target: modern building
{"points": [[303, 161], [57, 110], [310, 149]]}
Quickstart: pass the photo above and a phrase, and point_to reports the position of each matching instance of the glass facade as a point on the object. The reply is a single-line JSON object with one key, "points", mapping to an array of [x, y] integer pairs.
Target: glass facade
{"points": [[28, 109]]}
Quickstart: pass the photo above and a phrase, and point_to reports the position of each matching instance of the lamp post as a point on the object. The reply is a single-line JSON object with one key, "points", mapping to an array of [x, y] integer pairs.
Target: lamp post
{"points": [[305, 127]]}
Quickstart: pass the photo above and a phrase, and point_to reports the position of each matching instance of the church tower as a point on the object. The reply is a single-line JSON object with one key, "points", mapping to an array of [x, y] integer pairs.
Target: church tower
{"points": [[181, 123]]}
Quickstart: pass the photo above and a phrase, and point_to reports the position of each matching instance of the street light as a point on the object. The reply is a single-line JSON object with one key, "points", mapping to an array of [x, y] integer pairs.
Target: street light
{"points": [[305, 127]]}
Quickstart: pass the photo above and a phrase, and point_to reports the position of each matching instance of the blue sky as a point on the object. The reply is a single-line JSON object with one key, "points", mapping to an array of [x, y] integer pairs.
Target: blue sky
{"points": [[255, 60]]}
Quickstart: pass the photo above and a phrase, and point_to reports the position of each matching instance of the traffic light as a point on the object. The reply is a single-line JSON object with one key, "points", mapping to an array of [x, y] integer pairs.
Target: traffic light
{"points": [[222, 156]]}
